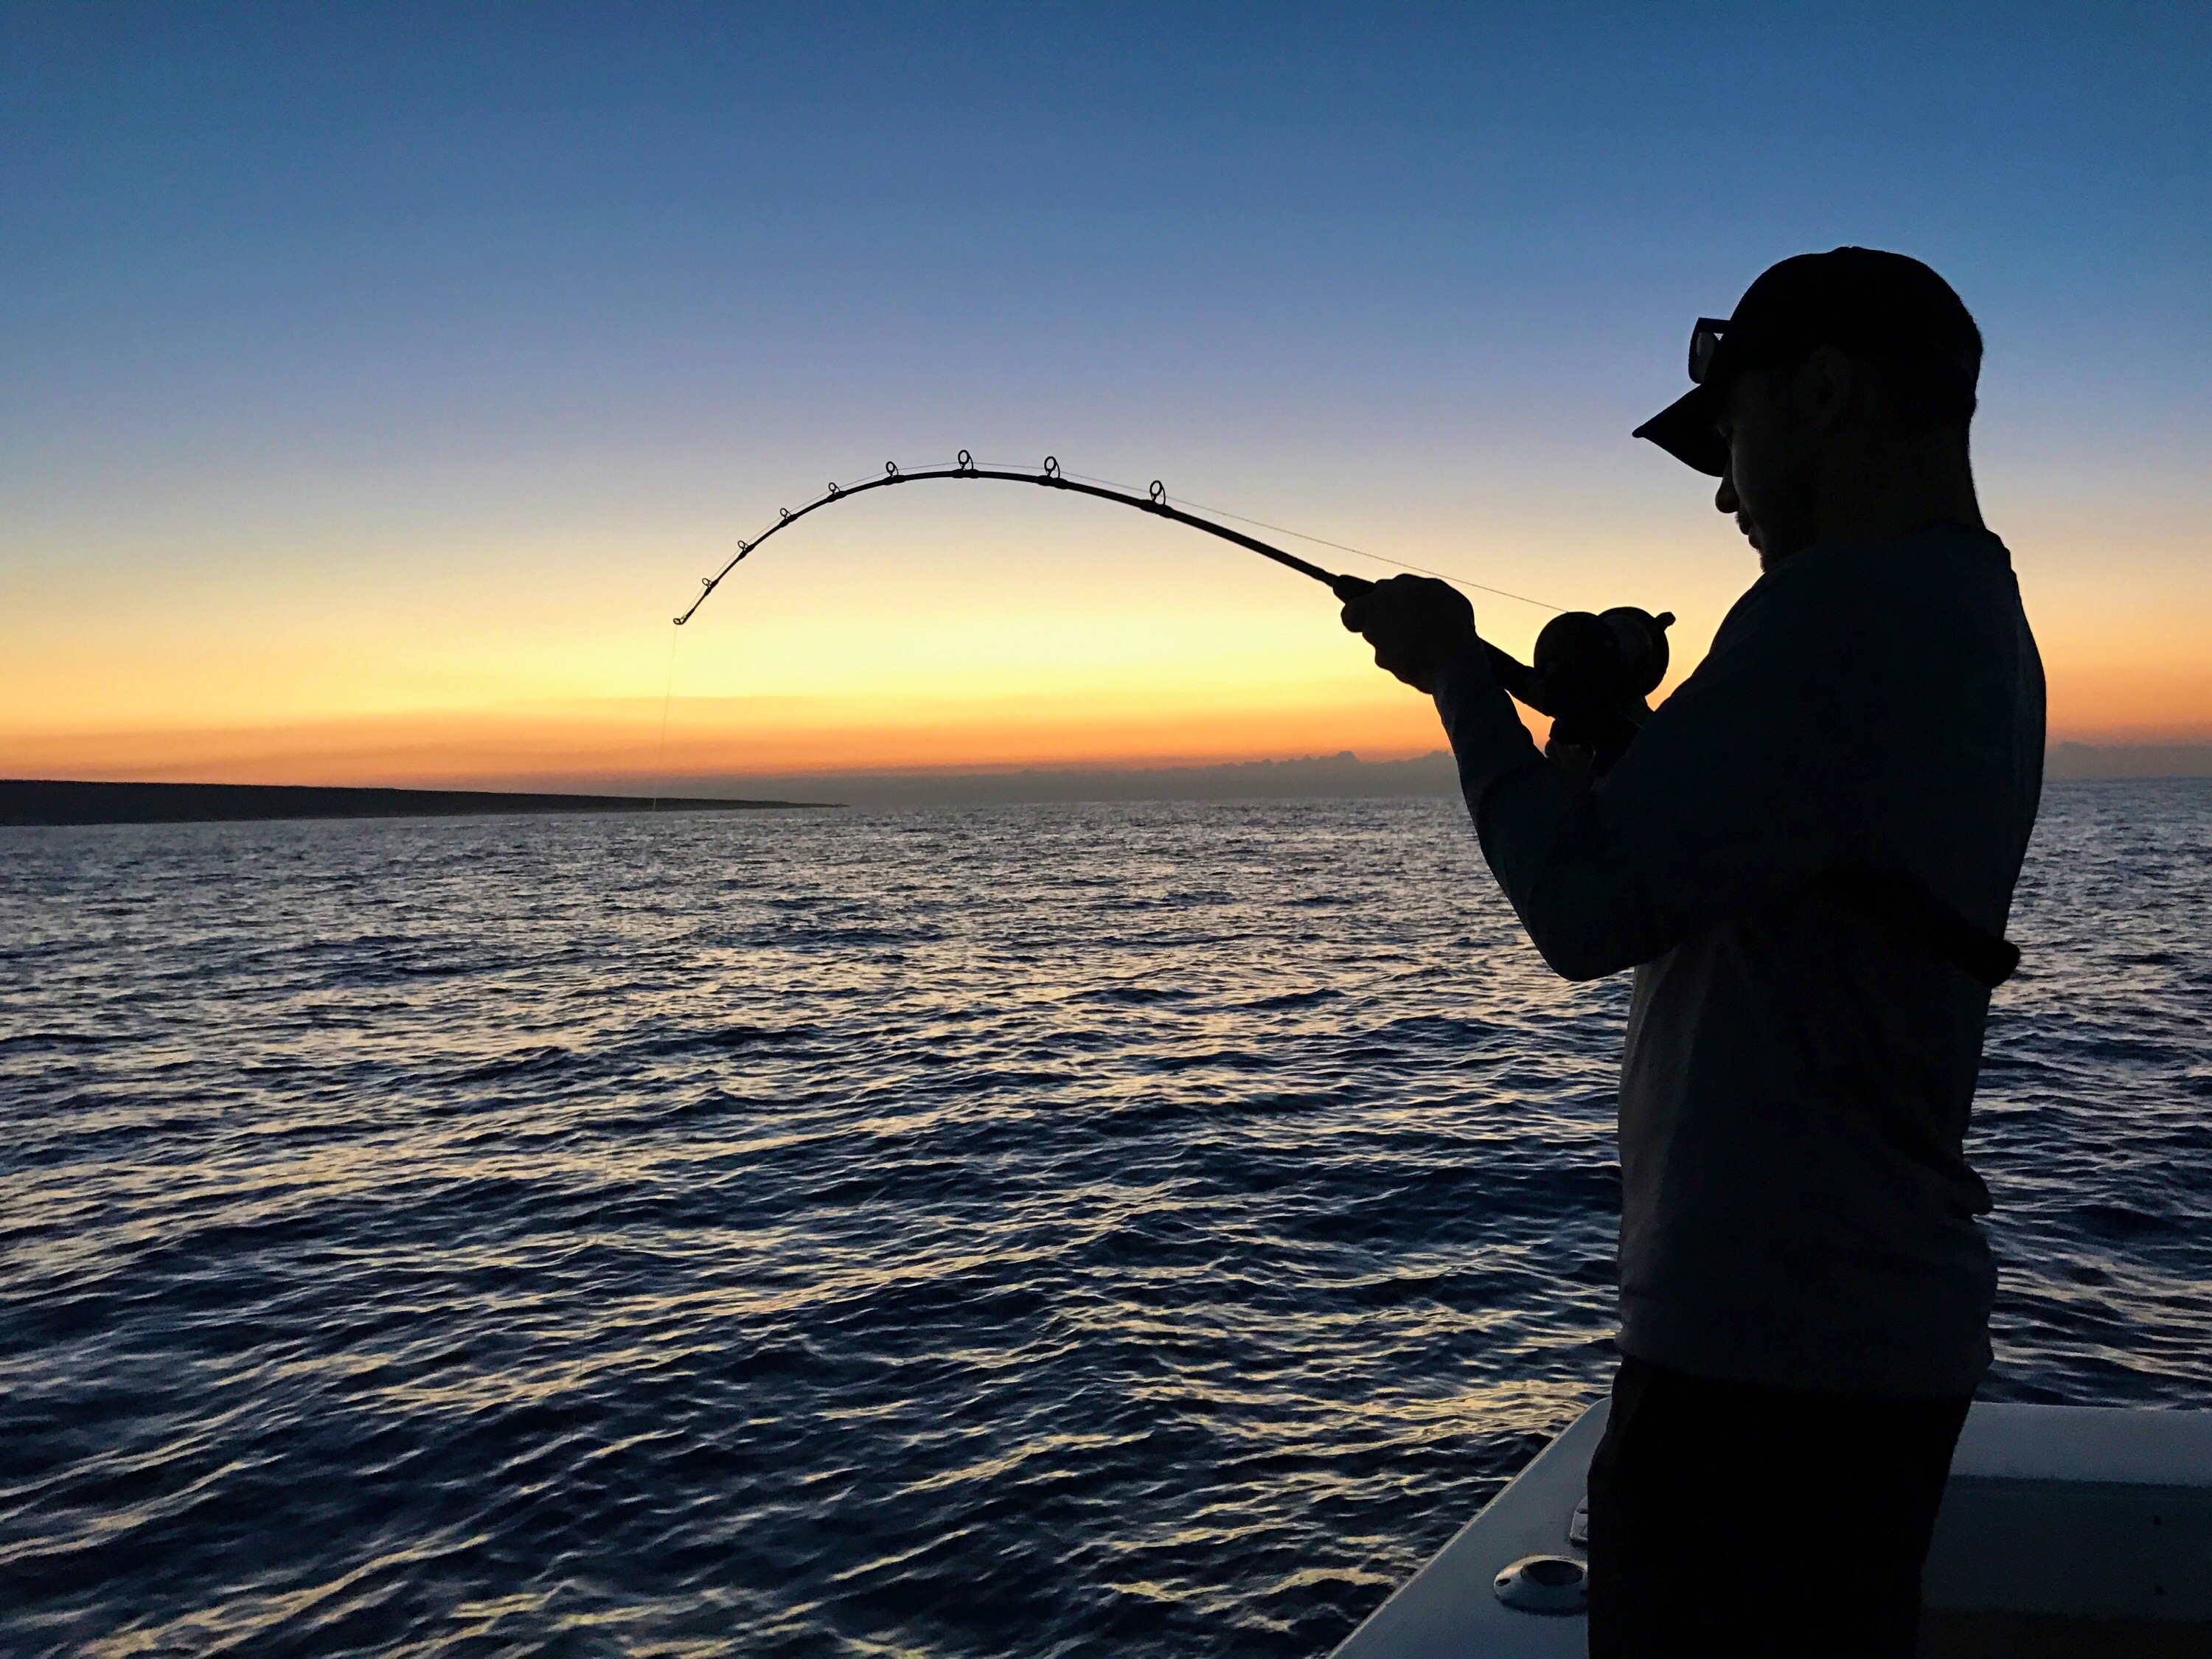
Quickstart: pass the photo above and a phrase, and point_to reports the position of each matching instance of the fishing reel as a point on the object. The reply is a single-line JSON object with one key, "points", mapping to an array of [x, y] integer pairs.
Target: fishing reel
{"points": [[1593, 674]]}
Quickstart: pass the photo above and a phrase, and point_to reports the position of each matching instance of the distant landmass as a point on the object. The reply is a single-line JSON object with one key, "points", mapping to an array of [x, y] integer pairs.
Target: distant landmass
{"points": [[55, 801]]}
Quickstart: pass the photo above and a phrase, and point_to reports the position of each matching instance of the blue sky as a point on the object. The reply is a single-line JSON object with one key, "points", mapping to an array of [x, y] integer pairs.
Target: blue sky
{"points": [[455, 297]]}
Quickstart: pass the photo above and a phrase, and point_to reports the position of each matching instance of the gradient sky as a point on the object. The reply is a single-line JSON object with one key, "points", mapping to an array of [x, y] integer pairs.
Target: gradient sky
{"points": [[376, 382]]}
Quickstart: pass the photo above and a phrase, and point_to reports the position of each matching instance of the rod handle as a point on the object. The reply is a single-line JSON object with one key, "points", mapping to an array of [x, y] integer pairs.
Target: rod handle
{"points": [[1519, 679]]}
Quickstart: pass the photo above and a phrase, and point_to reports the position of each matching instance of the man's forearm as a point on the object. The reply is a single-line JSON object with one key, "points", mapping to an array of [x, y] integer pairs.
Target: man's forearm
{"points": [[1547, 842]]}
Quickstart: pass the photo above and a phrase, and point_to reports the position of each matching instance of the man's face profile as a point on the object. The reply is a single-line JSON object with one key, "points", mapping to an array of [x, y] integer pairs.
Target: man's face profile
{"points": [[1835, 445], [1769, 484]]}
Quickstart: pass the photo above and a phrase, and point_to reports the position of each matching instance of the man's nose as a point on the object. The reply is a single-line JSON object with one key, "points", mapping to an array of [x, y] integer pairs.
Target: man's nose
{"points": [[1724, 498]]}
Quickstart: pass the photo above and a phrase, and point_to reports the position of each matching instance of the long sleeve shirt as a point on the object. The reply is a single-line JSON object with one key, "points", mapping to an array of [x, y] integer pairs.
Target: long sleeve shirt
{"points": [[1796, 1208]]}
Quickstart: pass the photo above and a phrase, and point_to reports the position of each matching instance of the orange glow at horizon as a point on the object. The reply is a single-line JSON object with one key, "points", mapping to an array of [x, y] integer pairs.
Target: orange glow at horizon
{"points": [[936, 639], [715, 738]]}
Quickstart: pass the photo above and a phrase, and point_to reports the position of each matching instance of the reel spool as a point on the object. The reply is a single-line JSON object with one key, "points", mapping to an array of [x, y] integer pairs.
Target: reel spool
{"points": [[1593, 673]]}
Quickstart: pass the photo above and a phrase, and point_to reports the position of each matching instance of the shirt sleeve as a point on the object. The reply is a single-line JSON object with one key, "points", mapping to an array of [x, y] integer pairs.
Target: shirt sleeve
{"points": [[1757, 774]]}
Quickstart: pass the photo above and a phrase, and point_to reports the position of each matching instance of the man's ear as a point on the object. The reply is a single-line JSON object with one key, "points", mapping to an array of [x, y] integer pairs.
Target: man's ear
{"points": [[1825, 384]]}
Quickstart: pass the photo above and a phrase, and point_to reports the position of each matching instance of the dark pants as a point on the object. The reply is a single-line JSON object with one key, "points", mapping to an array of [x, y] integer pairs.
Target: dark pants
{"points": [[1728, 1520]]}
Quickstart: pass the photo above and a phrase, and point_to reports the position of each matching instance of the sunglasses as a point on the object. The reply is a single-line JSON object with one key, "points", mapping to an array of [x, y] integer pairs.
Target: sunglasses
{"points": [[1705, 341]]}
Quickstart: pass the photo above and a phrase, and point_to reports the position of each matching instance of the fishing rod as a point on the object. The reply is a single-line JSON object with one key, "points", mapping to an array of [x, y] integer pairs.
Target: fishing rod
{"points": [[1590, 673]]}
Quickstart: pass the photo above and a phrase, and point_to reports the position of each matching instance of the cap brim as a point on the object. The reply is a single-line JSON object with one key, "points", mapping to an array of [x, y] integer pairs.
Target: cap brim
{"points": [[1689, 429]]}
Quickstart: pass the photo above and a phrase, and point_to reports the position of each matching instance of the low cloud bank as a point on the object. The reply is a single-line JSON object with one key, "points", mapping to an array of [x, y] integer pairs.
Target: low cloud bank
{"points": [[1341, 775], [2130, 759]]}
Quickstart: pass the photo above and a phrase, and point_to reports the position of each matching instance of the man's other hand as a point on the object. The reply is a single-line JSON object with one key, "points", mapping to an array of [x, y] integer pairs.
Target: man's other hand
{"points": [[1418, 626]]}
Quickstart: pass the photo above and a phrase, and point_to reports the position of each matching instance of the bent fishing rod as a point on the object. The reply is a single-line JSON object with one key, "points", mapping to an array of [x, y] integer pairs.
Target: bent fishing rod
{"points": [[1590, 673]]}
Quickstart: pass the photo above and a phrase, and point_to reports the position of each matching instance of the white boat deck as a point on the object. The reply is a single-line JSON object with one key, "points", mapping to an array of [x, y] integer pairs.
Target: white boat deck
{"points": [[2065, 1530]]}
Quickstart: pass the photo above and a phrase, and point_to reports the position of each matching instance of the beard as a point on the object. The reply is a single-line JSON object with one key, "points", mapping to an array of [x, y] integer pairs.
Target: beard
{"points": [[1750, 530]]}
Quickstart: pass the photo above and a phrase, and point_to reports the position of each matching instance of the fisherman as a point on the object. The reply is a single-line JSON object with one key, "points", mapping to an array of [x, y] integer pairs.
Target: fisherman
{"points": [[1805, 1292]]}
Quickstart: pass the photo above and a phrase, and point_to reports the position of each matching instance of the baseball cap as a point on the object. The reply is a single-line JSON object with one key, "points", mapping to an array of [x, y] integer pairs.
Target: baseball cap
{"points": [[1860, 300]]}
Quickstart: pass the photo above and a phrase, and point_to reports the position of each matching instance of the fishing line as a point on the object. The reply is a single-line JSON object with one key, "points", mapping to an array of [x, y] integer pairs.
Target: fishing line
{"points": [[1530, 685], [1345, 547]]}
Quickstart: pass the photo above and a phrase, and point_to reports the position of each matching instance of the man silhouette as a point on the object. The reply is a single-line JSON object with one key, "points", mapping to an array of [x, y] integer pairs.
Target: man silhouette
{"points": [[1804, 1289]]}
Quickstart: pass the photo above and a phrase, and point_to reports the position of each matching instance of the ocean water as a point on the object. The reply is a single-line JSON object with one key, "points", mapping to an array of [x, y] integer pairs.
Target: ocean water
{"points": [[1027, 1231]]}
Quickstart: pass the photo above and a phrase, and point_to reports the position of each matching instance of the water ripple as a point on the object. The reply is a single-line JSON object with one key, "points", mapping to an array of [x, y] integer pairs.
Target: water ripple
{"points": [[1025, 1230]]}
